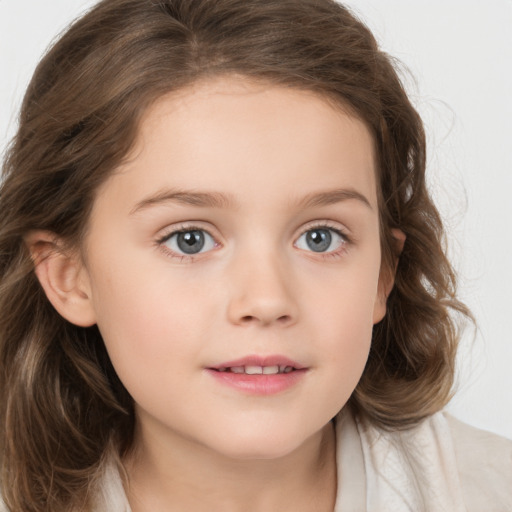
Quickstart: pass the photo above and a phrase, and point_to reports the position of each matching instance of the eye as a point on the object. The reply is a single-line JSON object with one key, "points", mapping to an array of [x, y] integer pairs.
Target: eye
{"points": [[321, 239], [189, 242]]}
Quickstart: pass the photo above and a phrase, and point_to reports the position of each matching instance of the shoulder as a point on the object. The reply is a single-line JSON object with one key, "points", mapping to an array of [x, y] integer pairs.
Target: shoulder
{"points": [[484, 462], [439, 464]]}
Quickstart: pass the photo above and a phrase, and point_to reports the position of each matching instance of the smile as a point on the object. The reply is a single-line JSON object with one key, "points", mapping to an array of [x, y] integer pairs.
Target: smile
{"points": [[258, 370], [259, 375]]}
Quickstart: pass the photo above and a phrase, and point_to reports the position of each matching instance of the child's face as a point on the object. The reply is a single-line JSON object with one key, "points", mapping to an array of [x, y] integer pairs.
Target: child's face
{"points": [[273, 194]]}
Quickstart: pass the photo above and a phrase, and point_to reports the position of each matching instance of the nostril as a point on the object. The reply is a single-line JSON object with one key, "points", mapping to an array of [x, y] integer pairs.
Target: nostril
{"points": [[250, 318]]}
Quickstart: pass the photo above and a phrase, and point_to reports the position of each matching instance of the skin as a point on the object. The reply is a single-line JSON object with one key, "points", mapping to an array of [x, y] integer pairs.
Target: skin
{"points": [[256, 288]]}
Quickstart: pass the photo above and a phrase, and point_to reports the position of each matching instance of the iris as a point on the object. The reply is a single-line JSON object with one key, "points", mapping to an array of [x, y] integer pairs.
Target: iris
{"points": [[190, 242], [319, 240]]}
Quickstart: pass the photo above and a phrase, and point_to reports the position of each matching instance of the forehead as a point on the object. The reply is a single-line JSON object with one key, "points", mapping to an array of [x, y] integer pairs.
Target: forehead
{"points": [[242, 135]]}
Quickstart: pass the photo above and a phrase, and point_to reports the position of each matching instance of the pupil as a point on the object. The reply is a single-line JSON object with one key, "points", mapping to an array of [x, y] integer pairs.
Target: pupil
{"points": [[319, 240], [190, 242]]}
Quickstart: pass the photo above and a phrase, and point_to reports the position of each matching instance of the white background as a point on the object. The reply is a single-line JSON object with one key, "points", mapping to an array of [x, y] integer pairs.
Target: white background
{"points": [[460, 55]]}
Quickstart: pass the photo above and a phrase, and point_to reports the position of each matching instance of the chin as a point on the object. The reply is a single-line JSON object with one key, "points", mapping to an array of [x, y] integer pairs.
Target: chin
{"points": [[261, 444]]}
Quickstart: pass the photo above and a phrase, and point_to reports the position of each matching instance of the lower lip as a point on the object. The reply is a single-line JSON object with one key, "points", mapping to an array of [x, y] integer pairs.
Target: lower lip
{"points": [[259, 384]]}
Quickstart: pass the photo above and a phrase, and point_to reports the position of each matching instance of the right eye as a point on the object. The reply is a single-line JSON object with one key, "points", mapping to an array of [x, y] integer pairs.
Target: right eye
{"points": [[189, 242]]}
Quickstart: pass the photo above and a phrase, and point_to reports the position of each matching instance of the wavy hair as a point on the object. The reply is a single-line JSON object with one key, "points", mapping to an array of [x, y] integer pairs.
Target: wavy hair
{"points": [[63, 410]]}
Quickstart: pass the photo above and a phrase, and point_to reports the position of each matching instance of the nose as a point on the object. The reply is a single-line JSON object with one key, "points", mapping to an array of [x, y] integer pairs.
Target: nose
{"points": [[261, 292]]}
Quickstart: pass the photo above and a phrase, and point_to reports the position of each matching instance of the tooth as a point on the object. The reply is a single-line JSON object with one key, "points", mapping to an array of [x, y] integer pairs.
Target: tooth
{"points": [[222, 369], [270, 370], [288, 369], [253, 370], [237, 369]]}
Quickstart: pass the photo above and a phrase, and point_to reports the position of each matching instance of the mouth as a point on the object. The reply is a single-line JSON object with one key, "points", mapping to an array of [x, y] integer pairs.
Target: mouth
{"points": [[259, 365], [257, 370], [259, 375]]}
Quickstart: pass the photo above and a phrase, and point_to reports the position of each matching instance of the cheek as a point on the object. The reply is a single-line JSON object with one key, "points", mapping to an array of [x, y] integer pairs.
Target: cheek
{"points": [[346, 295], [341, 306], [348, 340], [147, 319]]}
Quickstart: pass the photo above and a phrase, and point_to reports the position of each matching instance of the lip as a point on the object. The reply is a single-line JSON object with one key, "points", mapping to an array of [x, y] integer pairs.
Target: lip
{"points": [[259, 384]]}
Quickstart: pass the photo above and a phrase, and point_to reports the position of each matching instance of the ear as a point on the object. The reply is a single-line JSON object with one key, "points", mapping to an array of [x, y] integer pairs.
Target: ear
{"points": [[387, 277], [63, 277]]}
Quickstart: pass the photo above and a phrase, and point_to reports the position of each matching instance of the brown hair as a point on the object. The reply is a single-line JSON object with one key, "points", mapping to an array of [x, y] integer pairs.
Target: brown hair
{"points": [[62, 407]]}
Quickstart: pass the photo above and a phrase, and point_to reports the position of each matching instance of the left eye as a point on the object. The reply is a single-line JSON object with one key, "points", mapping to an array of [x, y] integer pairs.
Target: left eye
{"points": [[191, 241], [321, 240]]}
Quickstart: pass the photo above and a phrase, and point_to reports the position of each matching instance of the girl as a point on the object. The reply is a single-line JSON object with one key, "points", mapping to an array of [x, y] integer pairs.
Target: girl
{"points": [[222, 279]]}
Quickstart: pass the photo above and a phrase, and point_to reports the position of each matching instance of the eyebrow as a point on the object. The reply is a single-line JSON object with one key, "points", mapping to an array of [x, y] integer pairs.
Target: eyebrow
{"points": [[220, 200], [332, 197], [190, 198]]}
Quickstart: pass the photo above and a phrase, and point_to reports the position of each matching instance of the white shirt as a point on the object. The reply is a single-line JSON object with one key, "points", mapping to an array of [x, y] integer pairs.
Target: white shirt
{"points": [[441, 465]]}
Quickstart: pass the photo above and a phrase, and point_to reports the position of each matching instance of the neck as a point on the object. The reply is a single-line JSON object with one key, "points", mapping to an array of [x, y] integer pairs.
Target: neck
{"points": [[190, 477]]}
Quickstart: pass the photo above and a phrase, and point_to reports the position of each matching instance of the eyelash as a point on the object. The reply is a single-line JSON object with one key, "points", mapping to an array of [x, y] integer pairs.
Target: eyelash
{"points": [[345, 244], [161, 241], [176, 231]]}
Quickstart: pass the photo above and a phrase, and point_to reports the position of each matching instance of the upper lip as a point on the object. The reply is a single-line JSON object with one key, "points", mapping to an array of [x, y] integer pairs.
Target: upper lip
{"points": [[257, 360]]}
